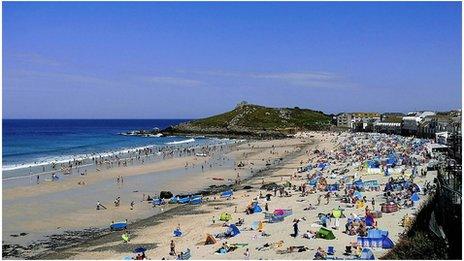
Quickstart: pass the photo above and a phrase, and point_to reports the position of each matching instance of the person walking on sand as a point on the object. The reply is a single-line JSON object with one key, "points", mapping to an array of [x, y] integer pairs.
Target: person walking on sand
{"points": [[173, 248], [132, 205], [247, 254], [38, 178], [319, 200], [295, 227]]}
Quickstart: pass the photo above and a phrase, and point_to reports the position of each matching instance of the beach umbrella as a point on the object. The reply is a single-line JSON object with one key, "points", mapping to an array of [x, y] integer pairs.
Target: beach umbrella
{"points": [[140, 250]]}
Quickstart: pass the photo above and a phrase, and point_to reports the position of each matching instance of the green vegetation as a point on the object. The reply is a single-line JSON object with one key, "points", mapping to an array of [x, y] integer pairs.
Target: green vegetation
{"points": [[394, 119], [264, 118]]}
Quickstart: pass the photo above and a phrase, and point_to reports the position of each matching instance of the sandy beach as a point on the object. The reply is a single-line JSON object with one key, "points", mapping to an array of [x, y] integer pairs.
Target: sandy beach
{"points": [[56, 207], [265, 162]]}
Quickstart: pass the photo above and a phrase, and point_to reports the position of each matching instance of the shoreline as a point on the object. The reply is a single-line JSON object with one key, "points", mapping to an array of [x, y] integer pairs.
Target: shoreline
{"points": [[156, 219], [80, 236]]}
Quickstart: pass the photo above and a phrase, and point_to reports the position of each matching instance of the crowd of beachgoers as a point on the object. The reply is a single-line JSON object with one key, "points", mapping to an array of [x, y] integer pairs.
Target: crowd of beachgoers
{"points": [[347, 195], [133, 157]]}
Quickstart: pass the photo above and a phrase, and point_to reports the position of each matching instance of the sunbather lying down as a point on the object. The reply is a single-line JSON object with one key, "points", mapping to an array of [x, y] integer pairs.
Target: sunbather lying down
{"points": [[292, 249], [226, 248], [268, 246]]}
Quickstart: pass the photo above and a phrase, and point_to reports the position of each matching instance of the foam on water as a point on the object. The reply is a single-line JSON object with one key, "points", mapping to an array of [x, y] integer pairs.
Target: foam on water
{"points": [[180, 142]]}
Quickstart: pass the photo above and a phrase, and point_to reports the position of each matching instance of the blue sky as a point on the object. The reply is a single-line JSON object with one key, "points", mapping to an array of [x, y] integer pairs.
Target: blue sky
{"points": [[189, 60]]}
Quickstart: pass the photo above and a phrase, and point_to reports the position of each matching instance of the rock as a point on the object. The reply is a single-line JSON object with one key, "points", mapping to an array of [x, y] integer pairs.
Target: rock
{"points": [[166, 194], [270, 186]]}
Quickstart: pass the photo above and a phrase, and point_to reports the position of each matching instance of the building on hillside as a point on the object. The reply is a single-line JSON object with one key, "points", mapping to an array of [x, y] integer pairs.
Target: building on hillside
{"points": [[365, 117], [387, 127], [391, 117], [358, 121], [344, 120]]}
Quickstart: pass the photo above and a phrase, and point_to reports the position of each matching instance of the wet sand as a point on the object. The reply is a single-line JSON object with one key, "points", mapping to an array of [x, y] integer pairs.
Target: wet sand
{"points": [[56, 207]]}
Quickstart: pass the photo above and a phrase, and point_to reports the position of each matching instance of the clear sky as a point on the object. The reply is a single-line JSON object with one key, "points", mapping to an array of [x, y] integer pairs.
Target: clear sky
{"points": [[189, 60]]}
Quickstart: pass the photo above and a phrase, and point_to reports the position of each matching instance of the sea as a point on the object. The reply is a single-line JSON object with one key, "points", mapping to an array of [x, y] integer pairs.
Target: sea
{"points": [[38, 142]]}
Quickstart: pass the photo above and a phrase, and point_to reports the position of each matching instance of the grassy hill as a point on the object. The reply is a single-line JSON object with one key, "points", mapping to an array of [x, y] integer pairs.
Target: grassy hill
{"points": [[254, 119]]}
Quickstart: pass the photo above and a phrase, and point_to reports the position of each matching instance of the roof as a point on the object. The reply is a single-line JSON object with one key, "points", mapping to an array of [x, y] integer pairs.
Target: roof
{"points": [[392, 124], [432, 146]]}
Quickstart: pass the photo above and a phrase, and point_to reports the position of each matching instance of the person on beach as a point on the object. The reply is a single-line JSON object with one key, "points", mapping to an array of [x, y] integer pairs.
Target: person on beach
{"points": [[132, 205], [320, 254], [117, 201], [125, 237], [327, 197], [247, 254], [99, 205], [38, 178], [295, 227], [319, 200], [173, 248], [373, 204]]}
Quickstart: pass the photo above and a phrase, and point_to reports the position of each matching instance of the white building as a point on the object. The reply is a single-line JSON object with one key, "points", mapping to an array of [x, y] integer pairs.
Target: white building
{"points": [[410, 123]]}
